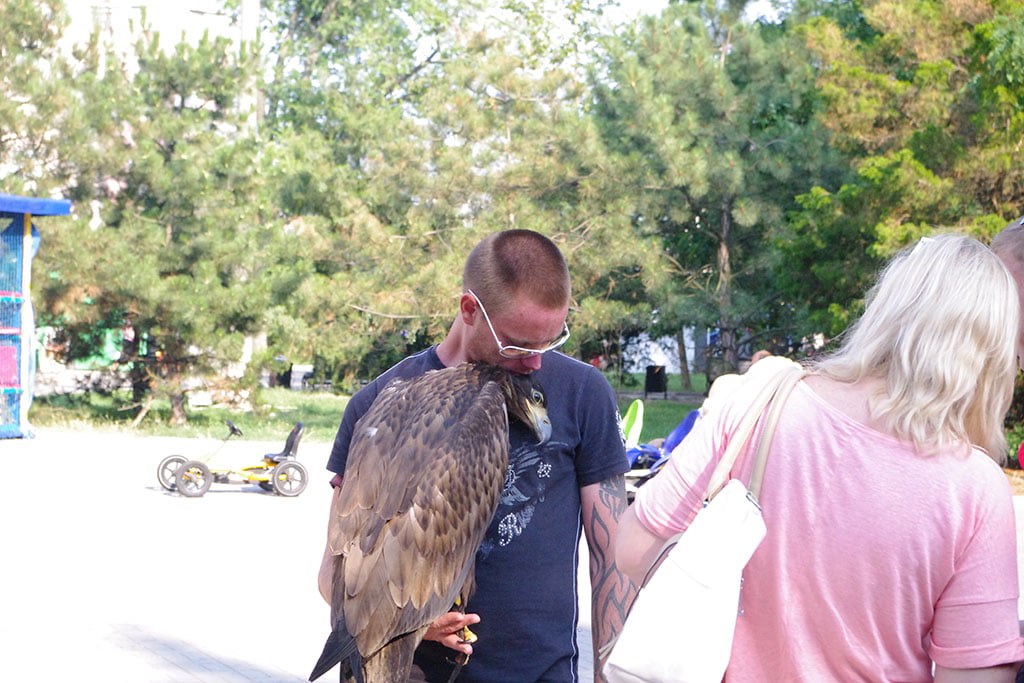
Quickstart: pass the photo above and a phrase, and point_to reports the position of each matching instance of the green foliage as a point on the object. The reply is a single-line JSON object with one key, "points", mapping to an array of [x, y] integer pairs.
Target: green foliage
{"points": [[924, 99], [395, 186], [32, 94], [711, 125], [1014, 422], [835, 242], [186, 226], [695, 170], [1014, 439]]}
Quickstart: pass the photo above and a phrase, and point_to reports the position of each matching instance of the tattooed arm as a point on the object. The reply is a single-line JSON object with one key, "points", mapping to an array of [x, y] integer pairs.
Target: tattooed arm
{"points": [[613, 593]]}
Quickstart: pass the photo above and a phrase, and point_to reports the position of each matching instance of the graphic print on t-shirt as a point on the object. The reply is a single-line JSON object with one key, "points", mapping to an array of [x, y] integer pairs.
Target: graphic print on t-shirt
{"points": [[526, 482]]}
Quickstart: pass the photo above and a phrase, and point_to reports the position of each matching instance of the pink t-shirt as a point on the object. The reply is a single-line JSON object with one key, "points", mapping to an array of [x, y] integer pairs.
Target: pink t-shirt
{"points": [[877, 560]]}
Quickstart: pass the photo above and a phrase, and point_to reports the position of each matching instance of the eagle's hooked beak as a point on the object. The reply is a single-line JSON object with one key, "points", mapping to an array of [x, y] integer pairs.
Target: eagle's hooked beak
{"points": [[539, 421]]}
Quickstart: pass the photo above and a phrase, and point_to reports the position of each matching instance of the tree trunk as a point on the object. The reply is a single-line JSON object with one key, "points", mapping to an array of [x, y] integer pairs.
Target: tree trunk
{"points": [[137, 366], [684, 365], [178, 415], [146, 404], [172, 366], [726, 325]]}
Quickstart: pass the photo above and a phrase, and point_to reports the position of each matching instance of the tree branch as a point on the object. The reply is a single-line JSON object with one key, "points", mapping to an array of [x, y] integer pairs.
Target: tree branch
{"points": [[390, 316], [415, 70]]}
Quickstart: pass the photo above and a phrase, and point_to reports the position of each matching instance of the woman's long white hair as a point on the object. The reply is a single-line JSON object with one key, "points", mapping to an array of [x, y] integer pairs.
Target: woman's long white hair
{"points": [[940, 330]]}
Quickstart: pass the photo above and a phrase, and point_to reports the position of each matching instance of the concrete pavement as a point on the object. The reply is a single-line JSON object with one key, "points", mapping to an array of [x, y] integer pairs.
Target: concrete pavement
{"points": [[110, 578], [107, 577]]}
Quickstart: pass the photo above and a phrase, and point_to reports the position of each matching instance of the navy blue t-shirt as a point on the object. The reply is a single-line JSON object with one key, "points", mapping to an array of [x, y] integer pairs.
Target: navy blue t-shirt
{"points": [[526, 568]]}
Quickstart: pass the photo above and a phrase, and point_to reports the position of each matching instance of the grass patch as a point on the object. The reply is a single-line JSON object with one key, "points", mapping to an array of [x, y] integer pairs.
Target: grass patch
{"points": [[276, 413], [660, 417], [634, 381]]}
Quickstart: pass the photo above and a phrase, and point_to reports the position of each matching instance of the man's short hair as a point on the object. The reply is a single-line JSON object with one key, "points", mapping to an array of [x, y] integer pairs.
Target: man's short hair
{"points": [[514, 263]]}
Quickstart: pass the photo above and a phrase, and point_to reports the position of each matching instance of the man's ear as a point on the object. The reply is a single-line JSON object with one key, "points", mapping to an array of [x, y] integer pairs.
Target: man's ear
{"points": [[468, 307]]}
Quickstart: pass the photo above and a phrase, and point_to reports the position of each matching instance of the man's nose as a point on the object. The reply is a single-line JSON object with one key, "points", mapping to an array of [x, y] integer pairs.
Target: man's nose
{"points": [[532, 362]]}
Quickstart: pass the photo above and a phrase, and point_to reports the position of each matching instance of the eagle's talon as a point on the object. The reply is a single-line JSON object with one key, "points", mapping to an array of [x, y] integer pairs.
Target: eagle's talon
{"points": [[468, 637]]}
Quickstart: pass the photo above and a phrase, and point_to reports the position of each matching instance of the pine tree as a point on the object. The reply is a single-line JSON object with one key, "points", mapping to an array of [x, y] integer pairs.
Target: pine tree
{"points": [[184, 241], [711, 122]]}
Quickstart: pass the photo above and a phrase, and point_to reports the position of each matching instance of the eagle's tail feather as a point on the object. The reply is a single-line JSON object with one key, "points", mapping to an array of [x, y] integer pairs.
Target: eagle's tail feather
{"points": [[393, 662], [355, 664], [339, 646]]}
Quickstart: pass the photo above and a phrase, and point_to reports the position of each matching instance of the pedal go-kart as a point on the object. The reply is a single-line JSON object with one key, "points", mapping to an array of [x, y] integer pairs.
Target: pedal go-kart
{"points": [[278, 473]]}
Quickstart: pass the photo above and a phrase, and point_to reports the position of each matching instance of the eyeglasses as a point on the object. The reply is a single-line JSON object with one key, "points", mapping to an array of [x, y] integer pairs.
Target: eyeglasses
{"points": [[509, 351]]}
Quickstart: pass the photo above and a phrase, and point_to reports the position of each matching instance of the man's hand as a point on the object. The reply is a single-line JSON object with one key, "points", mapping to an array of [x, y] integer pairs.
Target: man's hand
{"points": [[447, 630]]}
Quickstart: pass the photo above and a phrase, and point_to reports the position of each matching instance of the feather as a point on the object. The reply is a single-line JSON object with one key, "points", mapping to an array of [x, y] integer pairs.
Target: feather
{"points": [[339, 646]]}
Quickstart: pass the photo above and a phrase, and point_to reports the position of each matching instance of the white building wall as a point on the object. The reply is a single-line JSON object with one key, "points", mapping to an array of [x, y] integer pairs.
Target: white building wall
{"points": [[121, 21]]}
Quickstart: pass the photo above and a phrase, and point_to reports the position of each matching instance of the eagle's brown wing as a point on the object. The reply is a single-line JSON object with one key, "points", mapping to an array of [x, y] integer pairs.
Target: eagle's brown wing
{"points": [[425, 470]]}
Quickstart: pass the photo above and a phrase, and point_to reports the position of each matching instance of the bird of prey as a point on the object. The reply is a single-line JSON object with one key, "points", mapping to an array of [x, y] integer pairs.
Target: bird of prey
{"points": [[425, 471]]}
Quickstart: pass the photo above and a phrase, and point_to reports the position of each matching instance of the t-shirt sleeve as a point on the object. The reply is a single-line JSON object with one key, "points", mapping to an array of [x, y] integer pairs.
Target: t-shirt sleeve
{"points": [[355, 409], [976, 621], [357, 406], [602, 450]]}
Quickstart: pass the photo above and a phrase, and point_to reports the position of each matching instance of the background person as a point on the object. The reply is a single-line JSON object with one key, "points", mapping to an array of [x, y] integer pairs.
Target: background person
{"points": [[891, 541], [1009, 246], [525, 605], [760, 354]]}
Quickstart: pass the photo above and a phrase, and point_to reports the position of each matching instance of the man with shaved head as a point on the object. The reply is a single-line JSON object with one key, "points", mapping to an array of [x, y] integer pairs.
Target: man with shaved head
{"points": [[512, 312]]}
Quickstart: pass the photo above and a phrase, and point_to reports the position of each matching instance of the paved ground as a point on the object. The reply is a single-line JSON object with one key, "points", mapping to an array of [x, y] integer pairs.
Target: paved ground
{"points": [[109, 578]]}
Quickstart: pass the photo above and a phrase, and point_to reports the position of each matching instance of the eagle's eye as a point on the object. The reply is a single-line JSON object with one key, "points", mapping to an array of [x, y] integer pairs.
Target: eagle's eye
{"points": [[537, 396]]}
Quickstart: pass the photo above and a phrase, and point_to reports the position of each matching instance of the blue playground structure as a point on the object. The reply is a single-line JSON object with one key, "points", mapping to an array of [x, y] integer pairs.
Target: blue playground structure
{"points": [[19, 241]]}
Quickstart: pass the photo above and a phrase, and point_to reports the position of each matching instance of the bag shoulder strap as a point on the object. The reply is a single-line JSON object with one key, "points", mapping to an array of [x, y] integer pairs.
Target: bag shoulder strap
{"points": [[777, 387], [764, 442], [774, 392]]}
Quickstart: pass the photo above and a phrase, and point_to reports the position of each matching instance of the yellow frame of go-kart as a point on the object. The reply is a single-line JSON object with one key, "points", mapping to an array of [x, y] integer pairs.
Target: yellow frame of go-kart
{"points": [[278, 473]]}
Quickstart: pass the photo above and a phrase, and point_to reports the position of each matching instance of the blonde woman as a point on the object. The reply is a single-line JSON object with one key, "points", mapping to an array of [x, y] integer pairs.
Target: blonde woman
{"points": [[891, 549]]}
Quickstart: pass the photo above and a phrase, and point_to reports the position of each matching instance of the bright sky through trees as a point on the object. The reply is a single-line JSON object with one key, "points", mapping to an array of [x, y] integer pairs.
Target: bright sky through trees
{"points": [[630, 9]]}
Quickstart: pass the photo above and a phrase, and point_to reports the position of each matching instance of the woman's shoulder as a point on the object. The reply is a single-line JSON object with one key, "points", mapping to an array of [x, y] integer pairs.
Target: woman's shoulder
{"points": [[734, 393]]}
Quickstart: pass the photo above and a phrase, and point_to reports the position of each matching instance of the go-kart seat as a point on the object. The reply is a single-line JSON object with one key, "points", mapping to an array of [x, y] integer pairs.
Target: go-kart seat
{"points": [[291, 446]]}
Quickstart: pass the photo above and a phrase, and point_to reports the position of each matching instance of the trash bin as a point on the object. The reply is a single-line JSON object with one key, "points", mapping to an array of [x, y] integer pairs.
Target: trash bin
{"points": [[656, 381], [297, 376]]}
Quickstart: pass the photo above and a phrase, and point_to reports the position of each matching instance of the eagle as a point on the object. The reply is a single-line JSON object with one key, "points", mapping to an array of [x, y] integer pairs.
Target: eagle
{"points": [[425, 471]]}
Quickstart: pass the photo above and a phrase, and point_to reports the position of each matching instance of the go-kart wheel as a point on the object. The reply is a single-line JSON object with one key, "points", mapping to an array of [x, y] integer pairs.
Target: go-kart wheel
{"points": [[266, 486], [193, 479], [289, 478], [167, 469]]}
